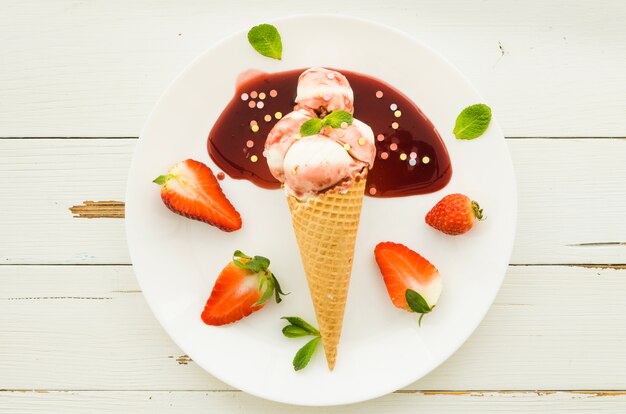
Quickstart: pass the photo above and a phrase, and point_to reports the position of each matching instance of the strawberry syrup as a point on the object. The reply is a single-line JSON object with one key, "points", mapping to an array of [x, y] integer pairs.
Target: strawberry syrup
{"points": [[411, 158]]}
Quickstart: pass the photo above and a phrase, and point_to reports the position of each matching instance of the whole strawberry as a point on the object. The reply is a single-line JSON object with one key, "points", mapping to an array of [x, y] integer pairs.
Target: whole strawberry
{"points": [[454, 214]]}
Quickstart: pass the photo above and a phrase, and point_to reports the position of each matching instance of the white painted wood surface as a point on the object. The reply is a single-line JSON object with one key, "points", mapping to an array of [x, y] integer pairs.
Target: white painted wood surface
{"points": [[75, 333]]}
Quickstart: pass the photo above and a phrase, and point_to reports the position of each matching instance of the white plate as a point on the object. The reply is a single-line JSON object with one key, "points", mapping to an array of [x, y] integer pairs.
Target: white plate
{"points": [[382, 349]]}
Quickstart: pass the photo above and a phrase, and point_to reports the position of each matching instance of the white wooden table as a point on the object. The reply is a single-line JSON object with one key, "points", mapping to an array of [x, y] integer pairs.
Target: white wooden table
{"points": [[77, 80]]}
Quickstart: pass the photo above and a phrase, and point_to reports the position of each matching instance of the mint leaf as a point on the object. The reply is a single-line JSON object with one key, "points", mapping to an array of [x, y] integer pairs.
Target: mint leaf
{"points": [[299, 322], [303, 356], [265, 39], [162, 179], [416, 302], [292, 331], [311, 127], [472, 122], [336, 118]]}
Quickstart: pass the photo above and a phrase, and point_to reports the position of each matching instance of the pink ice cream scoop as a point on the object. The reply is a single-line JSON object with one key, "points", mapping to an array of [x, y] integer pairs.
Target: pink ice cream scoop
{"points": [[358, 140], [323, 91], [281, 137]]}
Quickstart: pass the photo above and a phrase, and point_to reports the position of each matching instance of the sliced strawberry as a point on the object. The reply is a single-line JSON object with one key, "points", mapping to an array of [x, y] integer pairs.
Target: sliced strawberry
{"points": [[190, 189], [243, 287], [413, 283]]}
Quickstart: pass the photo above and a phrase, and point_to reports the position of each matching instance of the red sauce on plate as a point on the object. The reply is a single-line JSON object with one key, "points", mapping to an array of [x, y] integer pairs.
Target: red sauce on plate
{"points": [[411, 158]]}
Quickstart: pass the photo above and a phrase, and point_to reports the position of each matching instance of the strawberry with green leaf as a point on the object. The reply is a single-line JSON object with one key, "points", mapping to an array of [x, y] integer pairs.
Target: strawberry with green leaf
{"points": [[413, 283], [243, 287]]}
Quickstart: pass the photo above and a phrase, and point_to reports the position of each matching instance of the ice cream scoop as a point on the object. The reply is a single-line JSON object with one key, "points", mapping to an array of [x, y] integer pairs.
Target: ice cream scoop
{"points": [[323, 91], [281, 137], [358, 139]]}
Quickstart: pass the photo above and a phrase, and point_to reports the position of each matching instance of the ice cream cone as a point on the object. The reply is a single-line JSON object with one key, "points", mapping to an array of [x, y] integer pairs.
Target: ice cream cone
{"points": [[326, 227]]}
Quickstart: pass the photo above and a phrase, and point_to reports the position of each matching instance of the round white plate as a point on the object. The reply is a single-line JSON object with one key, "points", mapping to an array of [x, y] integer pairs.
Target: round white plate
{"points": [[382, 348]]}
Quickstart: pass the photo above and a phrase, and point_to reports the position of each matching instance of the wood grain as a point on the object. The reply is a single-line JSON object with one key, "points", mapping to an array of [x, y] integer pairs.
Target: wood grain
{"points": [[89, 328], [155, 402], [571, 191], [552, 68], [99, 209]]}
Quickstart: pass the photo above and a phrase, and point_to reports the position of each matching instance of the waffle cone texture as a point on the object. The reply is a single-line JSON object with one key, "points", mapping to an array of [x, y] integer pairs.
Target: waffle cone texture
{"points": [[326, 227]]}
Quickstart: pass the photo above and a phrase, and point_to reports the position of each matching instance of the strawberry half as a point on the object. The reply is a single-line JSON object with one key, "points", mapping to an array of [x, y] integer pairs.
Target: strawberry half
{"points": [[243, 287], [454, 214], [190, 189], [413, 283]]}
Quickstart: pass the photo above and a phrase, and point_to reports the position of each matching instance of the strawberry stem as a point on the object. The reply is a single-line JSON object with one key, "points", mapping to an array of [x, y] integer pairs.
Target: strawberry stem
{"points": [[478, 212]]}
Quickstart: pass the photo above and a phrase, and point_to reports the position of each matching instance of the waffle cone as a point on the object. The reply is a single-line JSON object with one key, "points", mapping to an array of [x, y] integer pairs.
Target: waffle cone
{"points": [[325, 227]]}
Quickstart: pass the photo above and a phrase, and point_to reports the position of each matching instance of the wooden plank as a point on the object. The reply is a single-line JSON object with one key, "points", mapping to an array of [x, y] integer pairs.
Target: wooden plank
{"points": [[571, 191], [155, 402], [88, 328], [96, 68]]}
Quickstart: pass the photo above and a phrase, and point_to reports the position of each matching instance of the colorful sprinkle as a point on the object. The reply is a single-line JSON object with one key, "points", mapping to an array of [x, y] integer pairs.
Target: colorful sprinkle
{"points": [[250, 143], [412, 162], [384, 155], [413, 155], [380, 137], [393, 146], [372, 190], [253, 122], [425, 160], [251, 104], [297, 137], [273, 93], [254, 128], [346, 147], [260, 104], [403, 157], [262, 95], [278, 115], [344, 125], [244, 96], [361, 141], [397, 114], [267, 118], [393, 107], [294, 170], [330, 75], [254, 158], [326, 97], [221, 176], [395, 125], [379, 94], [253, 94]]}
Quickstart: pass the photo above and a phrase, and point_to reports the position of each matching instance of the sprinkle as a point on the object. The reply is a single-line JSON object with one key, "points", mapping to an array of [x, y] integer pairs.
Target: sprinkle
{"points": [[344, 125], [413, 155], [253, 122], [403, 157], [361, 141], [384, 155], [380, 137], [330, 75], [297, 137], [220, 176], [260, 104], [346, 147], [244, 96], [393, 107], [267, 118], [372, 190], [397, 114], [278, 115], [379, 94], [253, 94], [425, 160], [251, 104], [326, 97], [254, 128], [250, 143], [393, 146], [273, 93], [254, 158], [294, 170], [262, 95], [412, 162], [395, 125]]}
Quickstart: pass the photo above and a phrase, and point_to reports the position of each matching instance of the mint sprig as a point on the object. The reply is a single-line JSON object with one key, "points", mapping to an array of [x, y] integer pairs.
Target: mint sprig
{"points": [[418, 304], [472, 122], [298, 328], [334, 120], [267, 280], [265, 39]]}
